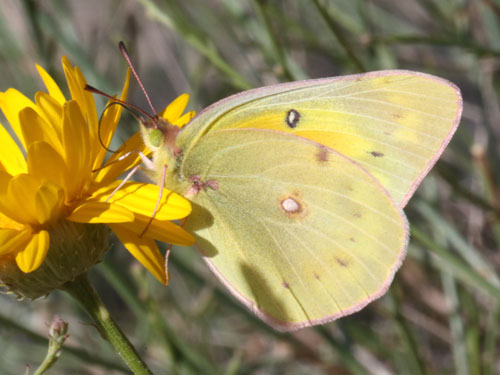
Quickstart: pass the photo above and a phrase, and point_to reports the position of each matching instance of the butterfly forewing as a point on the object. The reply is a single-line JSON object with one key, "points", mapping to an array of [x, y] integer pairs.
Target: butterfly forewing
{"points": [[298, 232], [393, 123]]}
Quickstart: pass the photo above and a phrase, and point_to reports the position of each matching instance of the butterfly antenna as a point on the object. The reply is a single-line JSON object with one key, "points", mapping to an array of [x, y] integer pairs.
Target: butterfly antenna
{"points": [[99, 128], [130, 107], [116, 100], [125, 54], [100, 121]]}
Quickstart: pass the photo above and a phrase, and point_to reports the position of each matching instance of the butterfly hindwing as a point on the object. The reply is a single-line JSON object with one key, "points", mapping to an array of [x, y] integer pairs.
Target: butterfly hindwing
{"points": [[298, 232]]}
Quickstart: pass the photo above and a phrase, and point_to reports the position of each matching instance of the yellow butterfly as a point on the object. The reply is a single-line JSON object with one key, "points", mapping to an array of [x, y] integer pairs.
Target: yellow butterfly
{"points": [[298, 188]]}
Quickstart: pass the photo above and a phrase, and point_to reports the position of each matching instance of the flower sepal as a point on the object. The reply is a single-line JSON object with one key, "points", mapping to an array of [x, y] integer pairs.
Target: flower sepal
{"points": [[74, 248]]}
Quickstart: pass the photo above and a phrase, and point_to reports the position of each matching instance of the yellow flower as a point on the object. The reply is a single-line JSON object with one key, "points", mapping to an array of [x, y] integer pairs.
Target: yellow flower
{"points": [[173, 112], [61, 186]]}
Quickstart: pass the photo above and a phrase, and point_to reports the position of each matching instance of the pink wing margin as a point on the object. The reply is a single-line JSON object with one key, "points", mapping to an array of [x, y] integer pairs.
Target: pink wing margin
{"points": [[446, 140], [282, 326]]}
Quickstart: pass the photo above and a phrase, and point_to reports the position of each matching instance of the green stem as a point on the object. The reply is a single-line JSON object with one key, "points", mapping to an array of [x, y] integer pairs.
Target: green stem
{"points": [[81, 290], [58, 334]]}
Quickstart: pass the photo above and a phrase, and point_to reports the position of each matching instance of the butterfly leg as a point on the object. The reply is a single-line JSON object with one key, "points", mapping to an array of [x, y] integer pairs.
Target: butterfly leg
{"points": [[167, 254], [145, 160], [127, 177], [160, 196], [148, 163]]}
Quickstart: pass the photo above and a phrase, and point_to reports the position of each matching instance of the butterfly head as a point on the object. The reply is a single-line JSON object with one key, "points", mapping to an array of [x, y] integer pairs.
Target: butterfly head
{"points": [[158, 133]]}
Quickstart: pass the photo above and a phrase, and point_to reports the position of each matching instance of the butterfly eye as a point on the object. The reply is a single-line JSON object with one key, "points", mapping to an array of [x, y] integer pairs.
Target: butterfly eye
{"points": [[156, 137]]}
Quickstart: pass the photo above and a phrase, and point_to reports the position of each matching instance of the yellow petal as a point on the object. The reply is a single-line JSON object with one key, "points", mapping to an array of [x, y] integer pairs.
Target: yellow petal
{"points": [[49, 201], [4, 184], [76, 144], [45, 163], [184, 119], [34, 254], [20, 199], [100, 212], [114, 168], [85, 100], [144, 250], [174, 110], [35, 128], [109, 121], [12, 241], [4, 181], [11, 157], [140, 197], [50, 110], [160, 230], [7, 223], [51, 85], [89, 111], [11, 103], [8, 209]]}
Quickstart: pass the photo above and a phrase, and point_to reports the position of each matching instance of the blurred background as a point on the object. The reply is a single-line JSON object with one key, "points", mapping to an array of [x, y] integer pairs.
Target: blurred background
{"points": [[441, 315]]}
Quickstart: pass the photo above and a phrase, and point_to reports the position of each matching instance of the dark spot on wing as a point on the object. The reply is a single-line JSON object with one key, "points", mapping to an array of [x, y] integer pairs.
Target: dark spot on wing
{"points": [[341, 262], [292, 118], [322, 154], [357, 214], [286, 285], [316, 276], [375, 154], [352, 239]]}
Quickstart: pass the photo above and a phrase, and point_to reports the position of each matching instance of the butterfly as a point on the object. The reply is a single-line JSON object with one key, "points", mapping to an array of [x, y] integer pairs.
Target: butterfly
{"points": [[298, 188]]}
